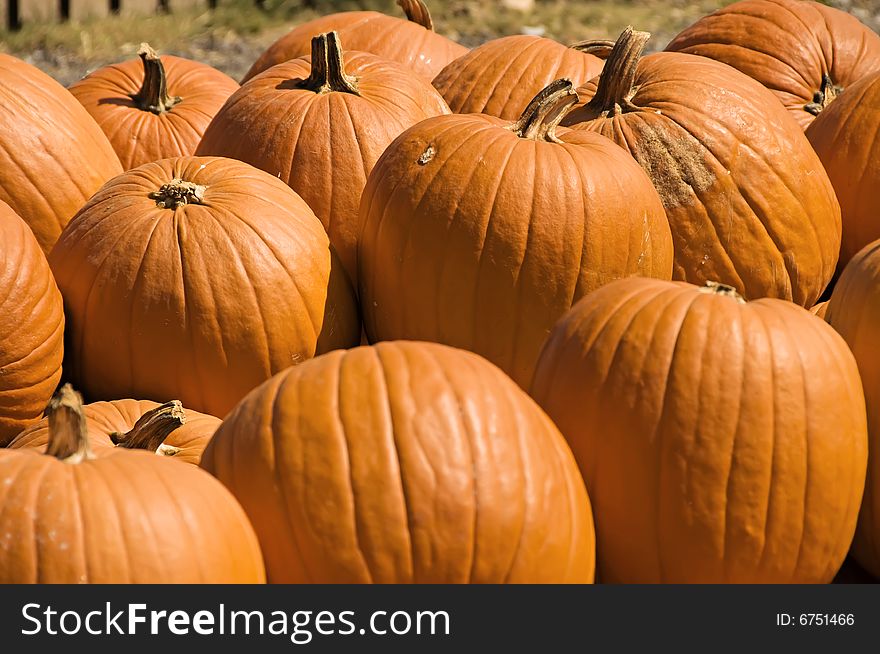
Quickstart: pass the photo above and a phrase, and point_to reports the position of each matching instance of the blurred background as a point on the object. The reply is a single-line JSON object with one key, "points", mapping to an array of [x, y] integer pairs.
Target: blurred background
{"points": [[69, 38]]}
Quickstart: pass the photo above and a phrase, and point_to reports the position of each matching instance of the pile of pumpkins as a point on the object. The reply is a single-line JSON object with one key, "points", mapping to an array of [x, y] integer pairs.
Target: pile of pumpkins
{"points": [[396, 311]]}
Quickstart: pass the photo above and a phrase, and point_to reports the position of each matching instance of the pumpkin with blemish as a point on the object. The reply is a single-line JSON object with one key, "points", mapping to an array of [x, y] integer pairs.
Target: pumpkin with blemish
{"points": [[747, 199], [721, 441]]}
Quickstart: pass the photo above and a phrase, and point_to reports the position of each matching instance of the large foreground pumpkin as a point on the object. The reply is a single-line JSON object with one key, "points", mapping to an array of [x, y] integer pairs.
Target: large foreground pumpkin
{"points": [[320, 124], [805, 52], [846, 139], [128, 517], [411, 42], [720, 441], [197, 279], [480, 234], [405, 462], [52, 154], [854, 311], [747, 199], [153, 108], [501, 76], [166, 429], [31, 327]]}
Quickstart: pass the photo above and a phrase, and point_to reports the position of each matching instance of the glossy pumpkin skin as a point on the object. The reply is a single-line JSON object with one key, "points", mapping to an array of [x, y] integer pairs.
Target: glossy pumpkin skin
{"points": [[119, 416], [747, 199], [491, 240], [139, 136], [720, 441], [202, 302], [31, 327], [854, 311], [788, 46], [844, 137], [405, 462], [500, 76], [406, 42], [52, 154]]}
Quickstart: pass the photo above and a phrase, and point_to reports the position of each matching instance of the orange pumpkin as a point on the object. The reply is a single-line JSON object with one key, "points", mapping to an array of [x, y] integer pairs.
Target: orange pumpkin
{"points": [[411, 42], [480, 234], [320, 125], [52, 154], [153, 108], [404, 462], [854, 311], [166, 429], [845, 138], [197, 279], [720, 440], [127, 517], [820, 309], [31, 327], [747, 199], [501, 76], [805, 52]]}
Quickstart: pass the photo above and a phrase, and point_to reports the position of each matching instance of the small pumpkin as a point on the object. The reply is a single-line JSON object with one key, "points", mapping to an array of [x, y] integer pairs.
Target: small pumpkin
{"points": [[806, 53], [845, 138], [721, 441], [413, 43], [52, 154], [31, 327], [197, 279], [480, 233], [166, 429], [404, 462], [854, 311], [320, 125], [67, 516], [747, 199], [155, 107], [501, 76]]}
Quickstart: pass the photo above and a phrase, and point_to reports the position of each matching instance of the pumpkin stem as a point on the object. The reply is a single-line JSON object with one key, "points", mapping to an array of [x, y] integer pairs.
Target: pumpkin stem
{"points": [[328, 67], [152, 428], [68, 436], [544, 113], [827, 93], [178, 193], [717, 288], [617, 81], [417, 12], [600, 48], [153, 95]]}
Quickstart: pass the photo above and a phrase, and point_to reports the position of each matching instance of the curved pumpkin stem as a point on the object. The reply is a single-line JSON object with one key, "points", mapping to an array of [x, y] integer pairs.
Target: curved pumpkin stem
{"points": [[68, 436], [328, 67], [617, 81], [826, 94], [546, 110], [717, 288], [153, 94], [600, 48], [417, 12], [152, 428]]}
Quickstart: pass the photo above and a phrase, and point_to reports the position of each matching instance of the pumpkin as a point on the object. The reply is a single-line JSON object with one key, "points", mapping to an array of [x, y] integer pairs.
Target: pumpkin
{"points": [[197, 279], [153, 108], [480, 233], [31, 327], [413, 43], [820, 309], [52, 154], [845, 138], [320, 125], [67, 516], [747, 199], [404, 462], [721, 441], [854, 311], [166, 429], [806, 53], [501, 76]]}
